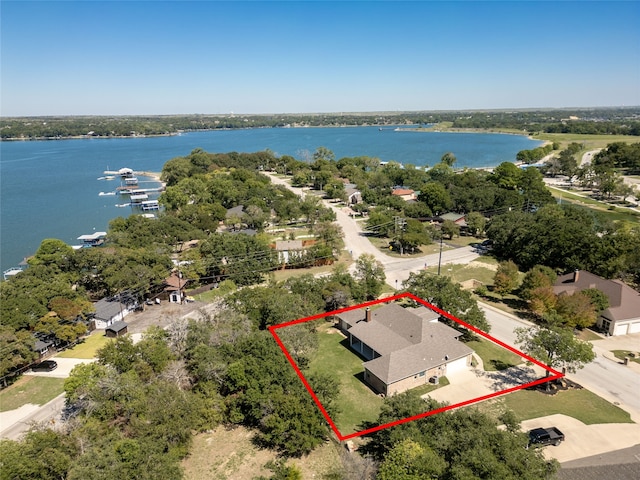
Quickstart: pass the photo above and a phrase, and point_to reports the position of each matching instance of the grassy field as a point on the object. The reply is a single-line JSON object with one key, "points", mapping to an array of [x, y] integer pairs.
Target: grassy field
{"points": [[358, 403], [493, 356], [226, 453], [88, 347], [621, 354], [588, 142], [30, 389], [614, 213], [582, 405]]}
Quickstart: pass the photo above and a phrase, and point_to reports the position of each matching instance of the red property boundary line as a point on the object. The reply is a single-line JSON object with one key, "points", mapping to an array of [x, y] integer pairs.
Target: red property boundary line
{"points": [[554, 373]]}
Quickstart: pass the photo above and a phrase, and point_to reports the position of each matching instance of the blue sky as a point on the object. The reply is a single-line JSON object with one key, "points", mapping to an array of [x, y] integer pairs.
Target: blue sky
{"points": [[150, 57]]}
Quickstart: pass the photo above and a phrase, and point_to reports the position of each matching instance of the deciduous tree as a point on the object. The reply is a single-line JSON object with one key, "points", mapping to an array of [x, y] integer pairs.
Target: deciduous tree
{"points": [[555, 346]]}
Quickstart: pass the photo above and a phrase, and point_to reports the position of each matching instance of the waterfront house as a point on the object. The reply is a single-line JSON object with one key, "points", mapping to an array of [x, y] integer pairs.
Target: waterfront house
{"points": [[403, 347], [93, 240]]}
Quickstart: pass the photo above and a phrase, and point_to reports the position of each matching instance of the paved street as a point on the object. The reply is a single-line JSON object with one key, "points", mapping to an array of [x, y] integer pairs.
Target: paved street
{"points": [[605, 376]]}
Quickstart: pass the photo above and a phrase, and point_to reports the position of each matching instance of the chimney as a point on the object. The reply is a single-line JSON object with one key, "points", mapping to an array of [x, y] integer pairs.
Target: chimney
{"points": [[367, 314], [576, 275]]}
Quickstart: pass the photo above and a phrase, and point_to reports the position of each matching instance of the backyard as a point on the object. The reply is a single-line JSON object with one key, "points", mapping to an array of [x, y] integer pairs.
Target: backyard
{"points": [[357, 402]]}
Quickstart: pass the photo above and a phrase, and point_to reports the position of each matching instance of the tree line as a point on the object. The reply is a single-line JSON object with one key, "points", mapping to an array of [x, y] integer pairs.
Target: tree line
{"points": [[619, 121]]}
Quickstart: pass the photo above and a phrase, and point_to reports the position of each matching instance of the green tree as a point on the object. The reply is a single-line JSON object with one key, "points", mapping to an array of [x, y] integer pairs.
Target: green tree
{"points": [[17, 349], [408, 460], [506, 278], [436, 197], [556, 347], [448, 296], [459, 444], [576, 310], [42, 454], [476, 223], [538, 276], [448, 159], [370, 275], [507, 175], [330, 234], [598, 298], [450, 229], [52, 252]]}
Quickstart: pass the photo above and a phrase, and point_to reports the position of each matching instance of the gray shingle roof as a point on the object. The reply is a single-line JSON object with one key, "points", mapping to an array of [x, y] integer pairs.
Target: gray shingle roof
{"points": [[409, 341], [106, 310]]}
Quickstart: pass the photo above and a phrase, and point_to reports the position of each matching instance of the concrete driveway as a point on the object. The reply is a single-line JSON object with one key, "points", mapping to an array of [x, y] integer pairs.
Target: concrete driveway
{"points": [[65, 365], [585, 440], [473, 383]]}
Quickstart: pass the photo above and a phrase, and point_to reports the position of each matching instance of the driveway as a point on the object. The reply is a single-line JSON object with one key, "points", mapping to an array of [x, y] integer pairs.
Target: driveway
{"points": [[473, 383], [65, 365], [585, 440]]}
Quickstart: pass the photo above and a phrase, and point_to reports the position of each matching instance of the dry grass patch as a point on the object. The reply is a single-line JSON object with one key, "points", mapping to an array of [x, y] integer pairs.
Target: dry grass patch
{"points": [[225, 453], [229, 453]]}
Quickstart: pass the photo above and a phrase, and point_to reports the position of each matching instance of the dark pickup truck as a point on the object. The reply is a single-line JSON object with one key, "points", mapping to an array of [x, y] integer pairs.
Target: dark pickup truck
{"points": [[545, 436]]}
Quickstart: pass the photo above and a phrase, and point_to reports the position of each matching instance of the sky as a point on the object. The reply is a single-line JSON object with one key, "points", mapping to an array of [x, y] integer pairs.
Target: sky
{"points": [[216, 57]]}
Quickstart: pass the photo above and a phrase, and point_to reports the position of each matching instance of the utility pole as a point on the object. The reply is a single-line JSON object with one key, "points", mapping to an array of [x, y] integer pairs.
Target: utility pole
{"points": [[440, 256], [399, 224]]}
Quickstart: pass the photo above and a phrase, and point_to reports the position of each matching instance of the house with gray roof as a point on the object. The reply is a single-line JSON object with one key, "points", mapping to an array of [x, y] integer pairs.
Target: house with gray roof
{"points": [[403, 347], [623, 314], [108, 311]]}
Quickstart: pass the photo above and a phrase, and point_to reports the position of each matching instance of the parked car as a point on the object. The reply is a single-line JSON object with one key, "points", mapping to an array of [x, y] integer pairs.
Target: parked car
{"points": [[45, 366], [545, 436]]}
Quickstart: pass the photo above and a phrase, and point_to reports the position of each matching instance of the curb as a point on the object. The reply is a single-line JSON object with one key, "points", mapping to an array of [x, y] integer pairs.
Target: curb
{"points": [[507, 314]]}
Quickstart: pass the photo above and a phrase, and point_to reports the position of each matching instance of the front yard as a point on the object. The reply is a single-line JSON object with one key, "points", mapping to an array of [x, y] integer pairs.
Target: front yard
{"points": [[30, 389], [580, 404], [494, 357]]}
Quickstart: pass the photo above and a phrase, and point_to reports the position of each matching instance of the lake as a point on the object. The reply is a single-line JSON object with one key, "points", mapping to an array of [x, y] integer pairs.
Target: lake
{"points": [[50, 189]]}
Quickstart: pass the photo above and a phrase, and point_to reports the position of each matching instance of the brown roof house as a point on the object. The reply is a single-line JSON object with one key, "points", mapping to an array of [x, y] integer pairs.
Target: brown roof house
{"points": [[404, 347], [622, 316], [404, 193], [174, 288]]}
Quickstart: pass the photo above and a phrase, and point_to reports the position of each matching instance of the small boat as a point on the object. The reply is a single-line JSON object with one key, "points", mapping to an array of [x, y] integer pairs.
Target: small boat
{"points": [[104, 194], [122, 205]]}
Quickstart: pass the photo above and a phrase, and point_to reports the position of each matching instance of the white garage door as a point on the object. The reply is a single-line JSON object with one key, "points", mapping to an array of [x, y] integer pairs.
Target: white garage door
{"points": [[634, 327], [457, 365], [620, 329]]}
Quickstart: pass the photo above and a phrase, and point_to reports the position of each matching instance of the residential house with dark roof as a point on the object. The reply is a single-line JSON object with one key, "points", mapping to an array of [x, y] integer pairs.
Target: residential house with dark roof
{"points": [[403, 347], [116, 329], [622, 316], [108, 311]]}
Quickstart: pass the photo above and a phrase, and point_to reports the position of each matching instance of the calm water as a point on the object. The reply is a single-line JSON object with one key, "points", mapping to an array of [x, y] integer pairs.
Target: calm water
{"points": [[50, 189]]}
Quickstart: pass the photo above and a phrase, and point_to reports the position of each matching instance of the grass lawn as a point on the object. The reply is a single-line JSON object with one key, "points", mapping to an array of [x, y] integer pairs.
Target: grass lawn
{"points": [[282, 275], [588, 142], [358, 403], [582, 405], [87, 348], [458, 273], [430, 387], [620, 354], [588, 335], [493, 356], [614, 213], [30, 389]]}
